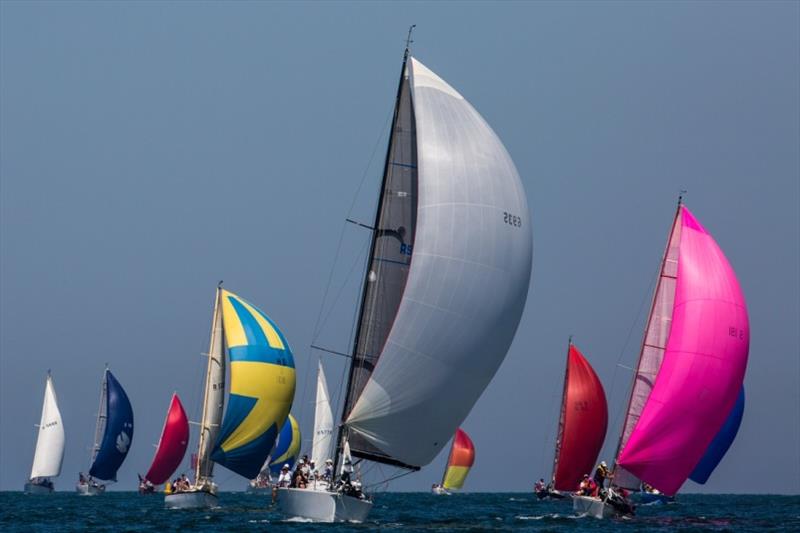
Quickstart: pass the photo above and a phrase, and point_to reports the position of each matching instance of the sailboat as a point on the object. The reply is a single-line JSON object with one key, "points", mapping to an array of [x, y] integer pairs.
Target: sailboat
{"points": [[582, 426], [285, 452], [49, 452], [443, 292], [170, 449], [262, 382], [690, 370], [460, 460], [112, 438]]}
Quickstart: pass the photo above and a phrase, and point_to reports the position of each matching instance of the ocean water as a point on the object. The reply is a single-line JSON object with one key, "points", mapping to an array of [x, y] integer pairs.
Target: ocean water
{"points": [[127, 511]]}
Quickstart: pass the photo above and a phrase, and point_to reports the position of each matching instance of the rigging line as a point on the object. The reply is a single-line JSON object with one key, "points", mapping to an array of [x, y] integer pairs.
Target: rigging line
{"points": [[647, 295], [386, 481], [317, 325]]}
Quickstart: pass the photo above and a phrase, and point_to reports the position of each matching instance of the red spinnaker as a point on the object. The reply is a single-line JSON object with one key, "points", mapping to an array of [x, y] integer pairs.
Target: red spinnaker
{"points": [[583, 424], [172, 446]]}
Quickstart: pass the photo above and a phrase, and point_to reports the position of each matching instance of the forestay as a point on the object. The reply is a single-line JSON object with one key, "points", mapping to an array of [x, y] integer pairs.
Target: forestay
{"points": [[470, 266]]}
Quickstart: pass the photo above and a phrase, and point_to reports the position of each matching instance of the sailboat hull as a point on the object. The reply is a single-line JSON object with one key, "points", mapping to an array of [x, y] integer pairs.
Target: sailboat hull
{"points": [[322, 506], [198, 499], [594, 507], [35, 488], [89, 490]]}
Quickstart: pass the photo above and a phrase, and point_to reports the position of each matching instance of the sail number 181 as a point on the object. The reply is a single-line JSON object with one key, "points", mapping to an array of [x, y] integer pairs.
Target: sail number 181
{"points": [[512, 220]]}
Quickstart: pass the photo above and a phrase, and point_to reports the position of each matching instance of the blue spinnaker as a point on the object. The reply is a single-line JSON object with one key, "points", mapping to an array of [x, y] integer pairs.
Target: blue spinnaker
{"points": [[118, 434], [722, 441]]}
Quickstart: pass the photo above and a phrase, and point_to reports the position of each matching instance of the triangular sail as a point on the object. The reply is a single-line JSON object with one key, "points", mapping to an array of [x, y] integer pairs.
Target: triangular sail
{"points": [[172, 444], [117, 433], [652, 350], [719, 446], [466, 288], [461, 459], [50, 440], [262, 384], [214, 397], [583, 422], [702, 369], [390, 258], [322, 444]]}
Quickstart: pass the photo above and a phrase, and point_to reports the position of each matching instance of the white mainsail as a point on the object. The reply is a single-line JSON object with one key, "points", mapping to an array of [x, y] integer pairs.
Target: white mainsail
{"points": [[652, 350], [322, 444], [214, 395], [467, 282], [50, 442]]}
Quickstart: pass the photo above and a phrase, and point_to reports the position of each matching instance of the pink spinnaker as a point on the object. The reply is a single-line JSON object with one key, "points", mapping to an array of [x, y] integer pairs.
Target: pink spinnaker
{"points": [[702, 369]]}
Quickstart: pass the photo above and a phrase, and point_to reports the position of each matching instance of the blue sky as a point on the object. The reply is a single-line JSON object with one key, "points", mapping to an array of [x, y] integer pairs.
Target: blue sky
{"points": [[148, 150]]}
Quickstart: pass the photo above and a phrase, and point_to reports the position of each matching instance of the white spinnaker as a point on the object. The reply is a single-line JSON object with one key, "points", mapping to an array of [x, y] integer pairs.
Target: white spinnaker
{"points": [[467, 284], [50, 442], [321, 447]]}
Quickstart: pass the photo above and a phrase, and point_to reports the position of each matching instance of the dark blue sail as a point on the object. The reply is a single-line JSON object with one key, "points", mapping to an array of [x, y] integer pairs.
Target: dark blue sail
{"points": [[719, 446], [118, 434]]}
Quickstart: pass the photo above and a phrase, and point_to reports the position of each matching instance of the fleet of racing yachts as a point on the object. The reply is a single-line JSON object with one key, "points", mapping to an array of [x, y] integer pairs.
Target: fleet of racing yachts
{"points": [[442, 295]]}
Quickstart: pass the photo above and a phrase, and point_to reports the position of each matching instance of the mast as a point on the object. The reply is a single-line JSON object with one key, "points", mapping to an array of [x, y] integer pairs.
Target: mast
{"points": [[341, 435], [661, 275], [205, 427], [562, 416], [102, 415]]}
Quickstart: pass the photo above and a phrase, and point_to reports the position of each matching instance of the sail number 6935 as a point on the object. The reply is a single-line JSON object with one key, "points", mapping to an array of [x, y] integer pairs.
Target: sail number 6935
{"points": [[512, 220]]}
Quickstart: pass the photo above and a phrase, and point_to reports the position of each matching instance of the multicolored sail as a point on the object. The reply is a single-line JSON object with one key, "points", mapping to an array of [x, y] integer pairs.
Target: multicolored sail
{"points": [[582, 425], [694, 384], [262, 384], [118, 432], [287, 448], [719, 446], [462, 457], [172, 445]]}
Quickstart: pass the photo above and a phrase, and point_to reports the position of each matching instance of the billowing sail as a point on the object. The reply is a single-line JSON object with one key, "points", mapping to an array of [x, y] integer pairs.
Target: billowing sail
{"points": [[467, 282], [702, 369], [321, 446], [287, 448], [118, 432], [262, 386], [50, 441], [462, 457], [172, 444], [719, 446], [582, 425]]}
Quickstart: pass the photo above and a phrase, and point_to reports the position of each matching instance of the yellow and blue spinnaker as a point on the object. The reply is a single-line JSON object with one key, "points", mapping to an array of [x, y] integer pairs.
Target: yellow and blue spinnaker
{"points": [[262, 383], [287, 449]]}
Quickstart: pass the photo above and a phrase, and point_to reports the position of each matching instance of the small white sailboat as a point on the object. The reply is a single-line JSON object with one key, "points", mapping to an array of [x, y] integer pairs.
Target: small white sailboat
{"points": [[446, 282], [49, 444], [262, 383]]}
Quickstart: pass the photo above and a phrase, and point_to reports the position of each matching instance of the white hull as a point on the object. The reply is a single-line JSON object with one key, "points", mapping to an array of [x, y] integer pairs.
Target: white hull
{"points": [[33, 488], [198, 499], [594, 507], [439, 491], [322, 506], [89, 490]]}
